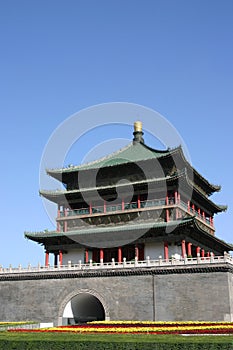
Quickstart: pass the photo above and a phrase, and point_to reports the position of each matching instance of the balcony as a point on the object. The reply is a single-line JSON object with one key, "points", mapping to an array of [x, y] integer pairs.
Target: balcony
{"points": [[176, 210], [108, 208]]}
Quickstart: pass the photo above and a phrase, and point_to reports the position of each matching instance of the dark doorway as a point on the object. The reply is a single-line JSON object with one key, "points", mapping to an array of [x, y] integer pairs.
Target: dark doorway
{"points": [[86, 308]]}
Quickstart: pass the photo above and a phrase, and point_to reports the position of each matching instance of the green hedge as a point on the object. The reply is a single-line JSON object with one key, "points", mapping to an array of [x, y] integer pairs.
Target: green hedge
{"points": [[72, 345], [72, 341]]}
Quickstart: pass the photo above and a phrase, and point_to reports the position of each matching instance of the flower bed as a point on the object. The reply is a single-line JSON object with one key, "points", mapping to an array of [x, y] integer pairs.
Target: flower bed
{"points": [[141, 327]]}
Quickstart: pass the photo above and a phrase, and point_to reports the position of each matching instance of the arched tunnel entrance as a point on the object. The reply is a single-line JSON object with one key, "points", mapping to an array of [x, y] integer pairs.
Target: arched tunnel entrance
{"points": [[82, 308]]}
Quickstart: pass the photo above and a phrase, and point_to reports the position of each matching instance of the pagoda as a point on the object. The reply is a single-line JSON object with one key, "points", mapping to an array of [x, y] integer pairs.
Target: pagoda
{"points": [[134, 204]]}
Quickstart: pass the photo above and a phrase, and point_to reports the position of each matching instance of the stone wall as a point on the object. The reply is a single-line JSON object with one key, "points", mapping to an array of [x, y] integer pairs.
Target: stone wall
{"points": [[136, 294], [197, 296]]}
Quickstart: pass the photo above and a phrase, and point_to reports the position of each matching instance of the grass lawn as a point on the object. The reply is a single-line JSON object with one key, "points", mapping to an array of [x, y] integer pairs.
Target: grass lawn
{"points": [[111, 338]]}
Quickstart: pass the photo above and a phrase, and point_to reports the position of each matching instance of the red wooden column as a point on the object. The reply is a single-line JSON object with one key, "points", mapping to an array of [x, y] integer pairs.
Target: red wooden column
{"points": [[101, 254], [189, 249], [199, 212], [86, 256], [176, 197], [198, 250], [60, 257], [211, 220], [183, 248], [46, 258], [203, 215], [188, 206], [90, 208], [136, 251], [176, 202], [65, 226], [167, 210], [122, 204], [119, 253], [105, 208], [139, 201], [166, 253]]}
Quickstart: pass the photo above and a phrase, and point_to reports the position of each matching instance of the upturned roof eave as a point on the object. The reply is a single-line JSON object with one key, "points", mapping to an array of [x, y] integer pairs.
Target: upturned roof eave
{"points": [[94, 165], [218, 207], [58, 173], [212, 187], [209, 188], [41, 237], [55, 195], [228, 246], [115, 228]]}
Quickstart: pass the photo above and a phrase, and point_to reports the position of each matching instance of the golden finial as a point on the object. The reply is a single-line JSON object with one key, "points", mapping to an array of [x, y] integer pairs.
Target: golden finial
{"points": [[137, 126]]}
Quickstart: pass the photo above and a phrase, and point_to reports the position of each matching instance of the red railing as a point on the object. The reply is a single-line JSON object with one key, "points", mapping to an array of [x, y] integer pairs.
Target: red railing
{"points": [[129, 206]]}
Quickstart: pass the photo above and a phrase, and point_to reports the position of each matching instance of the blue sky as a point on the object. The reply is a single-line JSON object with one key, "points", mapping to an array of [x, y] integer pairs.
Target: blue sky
{"points": [[58, 57]]}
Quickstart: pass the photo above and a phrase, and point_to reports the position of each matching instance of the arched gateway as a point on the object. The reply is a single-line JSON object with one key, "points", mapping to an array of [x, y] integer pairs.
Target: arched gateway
{"points": [[82, 306]]}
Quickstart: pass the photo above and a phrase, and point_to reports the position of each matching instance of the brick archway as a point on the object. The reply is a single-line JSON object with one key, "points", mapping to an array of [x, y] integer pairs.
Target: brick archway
{"points": [[92, 299]]}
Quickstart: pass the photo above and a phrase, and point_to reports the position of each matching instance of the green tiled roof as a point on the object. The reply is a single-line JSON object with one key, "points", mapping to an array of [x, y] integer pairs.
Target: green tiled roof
{"points": [[59, 194], [106, 233], [110, 235], [107, 229], [134, 152]]}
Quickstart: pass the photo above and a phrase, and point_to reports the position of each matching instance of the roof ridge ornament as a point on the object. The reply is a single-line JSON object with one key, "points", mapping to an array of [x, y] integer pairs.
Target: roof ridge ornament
{"points": [[138, 133]]}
